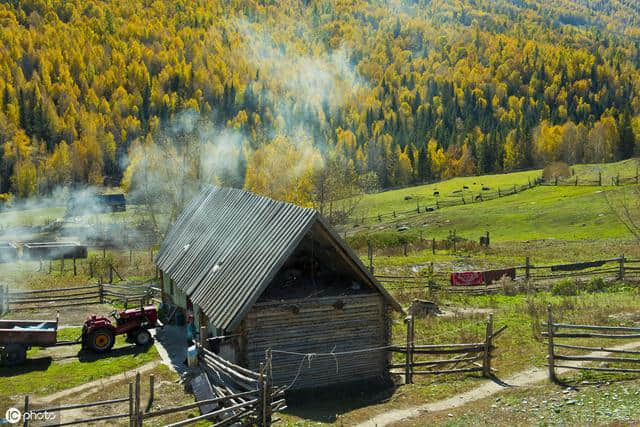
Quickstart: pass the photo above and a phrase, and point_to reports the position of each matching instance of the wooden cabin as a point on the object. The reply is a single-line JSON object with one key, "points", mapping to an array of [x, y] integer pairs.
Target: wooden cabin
{"points": [[271, 275]]}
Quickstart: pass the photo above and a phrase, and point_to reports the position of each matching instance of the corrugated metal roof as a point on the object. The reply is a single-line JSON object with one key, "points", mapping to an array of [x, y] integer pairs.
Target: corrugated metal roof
{"points": [[228, 244]]}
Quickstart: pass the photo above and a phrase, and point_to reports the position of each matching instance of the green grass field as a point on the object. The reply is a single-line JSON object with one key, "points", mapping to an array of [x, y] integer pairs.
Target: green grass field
{"points": [[544, 212], [41, 375], [563, 213], [453, 189]]}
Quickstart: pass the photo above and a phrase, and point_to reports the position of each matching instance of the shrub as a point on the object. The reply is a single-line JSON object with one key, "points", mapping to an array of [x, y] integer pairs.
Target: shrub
{"points": [[556, 170], [596, 284], [565, 287]]}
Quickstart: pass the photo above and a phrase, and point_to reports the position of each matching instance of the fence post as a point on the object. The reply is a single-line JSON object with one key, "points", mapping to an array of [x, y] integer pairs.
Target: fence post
{"points": [[131, 405], [136, 406], [576, 180], [26, 411], [261, 397], [599, 179], [101, 291], [151, 392], [408, 368], [527, 268], [203, 336], [433, 246], [618, 179], [621, 274], [1, 300], [370, 255], [268, 382], [75, 272], [486, 361], [110, 273], [550, 357], [404, 248], [499, 194]]}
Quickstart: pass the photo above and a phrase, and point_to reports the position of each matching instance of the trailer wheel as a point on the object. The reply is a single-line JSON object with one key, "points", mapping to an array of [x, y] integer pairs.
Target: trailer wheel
{"points": [[143, 337], [101, 340], [14, 354]]}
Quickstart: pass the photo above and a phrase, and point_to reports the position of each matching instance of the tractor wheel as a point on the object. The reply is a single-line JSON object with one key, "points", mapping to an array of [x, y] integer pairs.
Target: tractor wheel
{"points": [[101, 340], [143, 337], [14, 354]]}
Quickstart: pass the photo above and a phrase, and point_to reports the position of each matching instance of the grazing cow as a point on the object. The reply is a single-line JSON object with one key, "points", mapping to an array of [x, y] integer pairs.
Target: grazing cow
{"points": [[436, 193], [465, 187], [478, 197], [485, 189]]}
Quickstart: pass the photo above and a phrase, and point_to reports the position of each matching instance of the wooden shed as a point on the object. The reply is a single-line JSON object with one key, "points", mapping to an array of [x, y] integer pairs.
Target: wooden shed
{"points": [[272, 275]]}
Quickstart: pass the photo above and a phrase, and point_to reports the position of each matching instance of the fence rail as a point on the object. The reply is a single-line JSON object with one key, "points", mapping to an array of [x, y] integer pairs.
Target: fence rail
{"points": [[593, 331]]}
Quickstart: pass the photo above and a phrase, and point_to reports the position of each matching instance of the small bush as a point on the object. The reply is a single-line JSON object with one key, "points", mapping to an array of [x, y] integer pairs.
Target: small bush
{"points": [[556, 170], [596, 284], [565, 288]]}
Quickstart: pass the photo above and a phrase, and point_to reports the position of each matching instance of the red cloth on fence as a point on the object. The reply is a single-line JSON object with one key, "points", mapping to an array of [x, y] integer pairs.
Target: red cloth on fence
{"points": [[467, 278], [493, 275]]}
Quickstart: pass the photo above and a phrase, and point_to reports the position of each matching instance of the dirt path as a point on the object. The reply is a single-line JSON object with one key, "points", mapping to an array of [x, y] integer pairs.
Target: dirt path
{"points": [[93, 386], [521, 379]]}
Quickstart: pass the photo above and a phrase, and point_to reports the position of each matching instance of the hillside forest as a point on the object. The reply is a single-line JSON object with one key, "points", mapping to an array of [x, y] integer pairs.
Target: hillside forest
{"points": [[309, 100]]}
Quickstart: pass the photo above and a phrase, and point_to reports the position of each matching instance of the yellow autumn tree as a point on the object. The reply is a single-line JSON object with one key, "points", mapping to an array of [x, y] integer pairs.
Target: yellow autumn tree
{"points": [[283, 170], [24, 179]]}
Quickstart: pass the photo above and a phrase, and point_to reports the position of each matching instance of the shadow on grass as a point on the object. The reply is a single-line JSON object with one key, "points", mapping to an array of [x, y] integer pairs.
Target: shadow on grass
{"points": [[30, 365], [327, 404], [87, 356]]}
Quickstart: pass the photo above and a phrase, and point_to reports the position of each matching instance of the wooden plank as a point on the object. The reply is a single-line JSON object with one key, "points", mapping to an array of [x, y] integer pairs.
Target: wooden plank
{"points": [[212, 414], [448, 371], [593, 335], [603, 349], [438, 362], [598, 358], [595, 327], [188, 406], [585, 368]]}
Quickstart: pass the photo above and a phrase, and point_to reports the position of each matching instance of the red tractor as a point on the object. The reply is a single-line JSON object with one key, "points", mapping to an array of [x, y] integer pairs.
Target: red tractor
{"points": [[99, 333]]}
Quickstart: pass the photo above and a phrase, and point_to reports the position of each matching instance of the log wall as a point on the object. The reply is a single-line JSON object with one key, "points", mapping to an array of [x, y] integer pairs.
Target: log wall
{"points": [[319, 325]]}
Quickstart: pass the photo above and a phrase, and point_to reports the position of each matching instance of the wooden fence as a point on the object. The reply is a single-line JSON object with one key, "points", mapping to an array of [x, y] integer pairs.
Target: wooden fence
{"points": [[237, 394], [254, 405], [576, 180], [75, 296], [474, 357], [133, 413], [536, 277], [553, 334]]}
